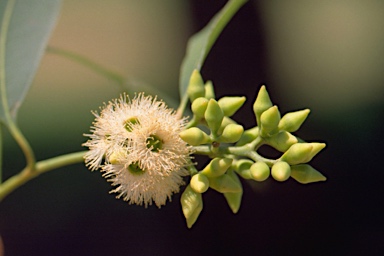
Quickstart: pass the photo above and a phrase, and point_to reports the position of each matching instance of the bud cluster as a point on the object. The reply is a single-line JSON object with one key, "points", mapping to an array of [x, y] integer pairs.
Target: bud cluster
{"points": [[234, 152]]}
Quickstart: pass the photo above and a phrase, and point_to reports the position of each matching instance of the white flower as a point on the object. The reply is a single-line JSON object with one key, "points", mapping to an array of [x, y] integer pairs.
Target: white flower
{"points": [[136, 143]]}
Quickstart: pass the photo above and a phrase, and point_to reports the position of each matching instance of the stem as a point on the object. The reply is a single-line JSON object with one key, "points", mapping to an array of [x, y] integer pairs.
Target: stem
{"points": [[1, 153], [41, 167], [247, 150], [88, 63], [13, 129]]}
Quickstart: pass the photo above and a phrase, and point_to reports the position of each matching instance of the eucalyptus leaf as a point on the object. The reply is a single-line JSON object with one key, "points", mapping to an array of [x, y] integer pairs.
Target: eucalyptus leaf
{"points": [[201, 43], [26, 27]]}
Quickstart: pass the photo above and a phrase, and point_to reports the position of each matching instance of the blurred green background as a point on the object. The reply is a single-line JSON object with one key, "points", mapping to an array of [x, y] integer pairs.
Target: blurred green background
{"points": [[322, 55]]}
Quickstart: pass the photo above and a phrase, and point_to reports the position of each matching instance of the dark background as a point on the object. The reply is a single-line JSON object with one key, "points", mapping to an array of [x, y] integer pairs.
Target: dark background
{"points": [[69, 212]]}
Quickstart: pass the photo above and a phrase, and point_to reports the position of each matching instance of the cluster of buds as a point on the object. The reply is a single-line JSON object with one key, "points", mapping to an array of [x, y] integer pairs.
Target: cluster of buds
{"points": [[234, 152]]}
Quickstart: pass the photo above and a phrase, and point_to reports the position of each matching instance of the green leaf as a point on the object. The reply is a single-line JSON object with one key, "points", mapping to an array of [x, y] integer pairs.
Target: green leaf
{"points": [[201, 43], [25, 29]]}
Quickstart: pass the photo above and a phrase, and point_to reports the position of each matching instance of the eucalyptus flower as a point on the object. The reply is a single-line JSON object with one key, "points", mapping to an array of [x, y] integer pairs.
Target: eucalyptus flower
{"points": [[136, 143]]}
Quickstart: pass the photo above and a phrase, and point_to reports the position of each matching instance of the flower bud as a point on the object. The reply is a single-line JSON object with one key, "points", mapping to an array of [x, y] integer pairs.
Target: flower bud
{"points": [[199, 183], [262, 103], [304, 173], [282, 141], [191, 204], [316, 148], [226, 121], [224, 184], [242, 167], [230, 105], [248, 136], [217, 167], [301, 152], [209, 90], [234, 199], [213, 115], [281, 171], [199, 106], [292, 121], [269, 121], [231, 133], [260, 171], [194, 136], [117, 157], [196, 86]]}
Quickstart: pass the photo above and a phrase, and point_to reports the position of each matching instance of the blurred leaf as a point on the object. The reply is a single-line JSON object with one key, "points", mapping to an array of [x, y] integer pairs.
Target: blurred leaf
{"points": [[23, 42], [201, 43]]}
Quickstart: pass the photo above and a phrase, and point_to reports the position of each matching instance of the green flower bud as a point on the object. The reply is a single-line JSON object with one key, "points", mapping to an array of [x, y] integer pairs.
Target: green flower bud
{"points": [[117, 157], [209, 90], [213, 115], [260, 171], [199, 106], [282, 141], [300, 153], [191, 204], [269, 121], [243, 167], [199, 183], [304, 173], [316, 148], [194, 136], [196, 86], [231, 133], [226, 121], [281, 171], [234, 199], [292, 121], [217, 167], [262, 103], [225, 184], [230, 105], [248, 136]]}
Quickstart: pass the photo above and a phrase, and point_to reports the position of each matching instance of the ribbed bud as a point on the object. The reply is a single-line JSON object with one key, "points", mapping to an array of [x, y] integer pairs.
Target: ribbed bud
{"points": [[300, 153], [231, 133], [231, 104], [194, 136], [292, 121], [217, 167], [191, 204], [199, 106], [248, 136], [209, 90], [269, 121], [282, 141], [260, 171], [243, 167], [281, 171], [196, 87], [304, 173], [262, 103], [225, 184], [199, 183], [213, 115], [234, 199]]}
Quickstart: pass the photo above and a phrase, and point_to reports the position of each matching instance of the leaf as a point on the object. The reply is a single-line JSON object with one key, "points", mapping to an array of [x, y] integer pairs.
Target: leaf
{"points": [[25, 29], [201, 43]]}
